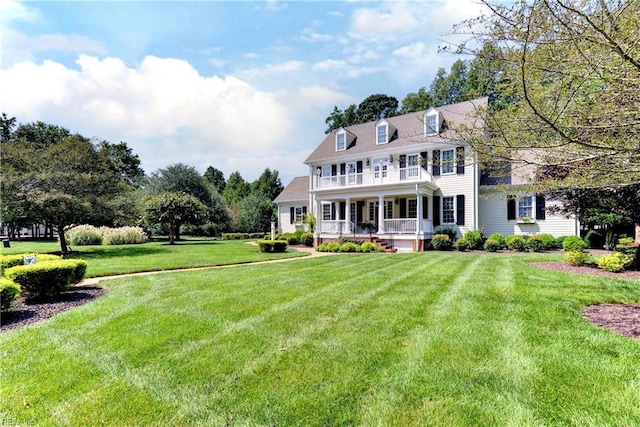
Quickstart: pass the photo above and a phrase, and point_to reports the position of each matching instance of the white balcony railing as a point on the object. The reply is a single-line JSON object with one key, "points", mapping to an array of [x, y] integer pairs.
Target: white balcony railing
{"points": [[391, 226], [391, 176]]}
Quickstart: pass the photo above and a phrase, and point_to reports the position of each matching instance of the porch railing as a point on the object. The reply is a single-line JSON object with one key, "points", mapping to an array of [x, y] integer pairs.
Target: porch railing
{"points": [[391, 226], [391, 176]]}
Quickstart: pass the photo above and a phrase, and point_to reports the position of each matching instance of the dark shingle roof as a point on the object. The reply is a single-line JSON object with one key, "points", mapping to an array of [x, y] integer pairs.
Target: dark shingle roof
{"points": [[296, 190], [410, 131]]}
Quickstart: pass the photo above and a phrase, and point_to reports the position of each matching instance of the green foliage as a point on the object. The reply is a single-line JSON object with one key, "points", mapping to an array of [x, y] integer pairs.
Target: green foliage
{"points": [[307, 239], [9, 291], [172, 210], [474, 239], [536, 243], [46, 279], [441, 242], [594, 239], [516, 243], [499, 239], [492, 245], [254, 213], [369, 247], [462, 244], [328, 247], [349, 247], [371, 108], [573, 243], [576, 257], [290, 238], [7, 261], [549, 242], [452, 232], [626, 241], [243, 236], [123, 236], [615, 262], [84, 235], [272, 245]]}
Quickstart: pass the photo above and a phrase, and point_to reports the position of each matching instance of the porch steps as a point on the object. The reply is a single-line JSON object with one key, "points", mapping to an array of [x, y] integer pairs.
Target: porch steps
{"points": [[384, 245]]}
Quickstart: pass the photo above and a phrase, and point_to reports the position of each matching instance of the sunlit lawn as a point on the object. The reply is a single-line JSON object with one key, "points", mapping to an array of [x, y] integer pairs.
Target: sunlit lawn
{"points": [[406, 339], [157, 255]]}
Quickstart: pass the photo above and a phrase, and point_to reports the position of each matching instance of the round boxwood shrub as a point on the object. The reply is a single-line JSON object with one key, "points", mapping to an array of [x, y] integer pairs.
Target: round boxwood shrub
{"points": [[441, 242], [368, 247], [9, 291], [473, 239], [462, 244], [498, 239], [307, 239], [573, 243], [516, 243], [348, 247], [333, 247], [492, 245], [576, 257], [594, 239], [535, 243]]}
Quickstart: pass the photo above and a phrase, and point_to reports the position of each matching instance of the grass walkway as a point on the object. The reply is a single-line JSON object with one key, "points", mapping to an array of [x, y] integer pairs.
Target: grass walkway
{"points": [[405, 339]]}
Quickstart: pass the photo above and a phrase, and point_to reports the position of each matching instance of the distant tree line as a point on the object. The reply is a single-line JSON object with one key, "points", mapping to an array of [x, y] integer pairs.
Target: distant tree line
{"points": [[53, 179]]}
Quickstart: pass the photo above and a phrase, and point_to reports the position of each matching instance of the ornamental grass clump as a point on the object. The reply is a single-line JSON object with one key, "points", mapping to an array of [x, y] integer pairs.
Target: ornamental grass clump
{"points": [[123, 236], [84, 235]]}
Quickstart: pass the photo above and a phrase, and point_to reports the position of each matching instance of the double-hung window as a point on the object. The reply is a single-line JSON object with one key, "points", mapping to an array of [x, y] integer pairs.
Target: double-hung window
{"points": [[448, 161], [525, 207], [326, 212], [432, 124], [413, 166], [448, 210], [341, 141], [382, 134], [412, 208]]}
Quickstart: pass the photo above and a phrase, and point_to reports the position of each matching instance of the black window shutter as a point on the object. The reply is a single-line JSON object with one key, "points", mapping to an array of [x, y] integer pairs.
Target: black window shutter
{"points": [[359, 166], [425, 207], [304, 210], [292, 214], [511, 208], [333, 211], [343, 210], [436, 162], [343, 169], [436, 211], [334, 170], [423, 159], [403, 207], [460, 209], [540, 207], [460, 160], [359, 207]]}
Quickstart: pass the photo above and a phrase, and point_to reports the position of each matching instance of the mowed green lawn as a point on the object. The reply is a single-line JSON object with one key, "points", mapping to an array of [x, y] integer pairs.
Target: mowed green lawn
{"points": [[364, 339], [157, 255]]}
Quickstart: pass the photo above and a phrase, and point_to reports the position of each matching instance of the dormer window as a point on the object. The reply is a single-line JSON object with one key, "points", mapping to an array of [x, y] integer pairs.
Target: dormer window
{"points": [[432, 122], [383, 136], [341, 141]]}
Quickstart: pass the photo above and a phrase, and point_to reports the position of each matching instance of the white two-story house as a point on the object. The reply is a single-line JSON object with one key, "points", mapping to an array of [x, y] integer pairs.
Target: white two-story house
{"points": [[404, 178]]}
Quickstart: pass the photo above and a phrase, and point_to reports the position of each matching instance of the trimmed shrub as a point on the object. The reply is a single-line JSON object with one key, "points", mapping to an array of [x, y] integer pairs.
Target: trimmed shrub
{"points": [[239, 236], [84, 235], [462, 244], [123, 236], [576, 257], [549, 242], [369, 247], [46, 279], [322, 247], [573, 243], [7, 261], [474, 239], [499, 239], [615, 262], [516, 243], [349, 247], [535, 243], [449, 231], [272, 245], [9, 291], [441, 242], [492, 245], [307, 239], [333, 247]]}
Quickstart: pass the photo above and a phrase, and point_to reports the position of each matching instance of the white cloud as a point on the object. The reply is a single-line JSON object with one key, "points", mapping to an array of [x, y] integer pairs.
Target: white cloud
{"points": [[11, 10], [329, 65], [389, 19], [287, 67], [164, 109]]}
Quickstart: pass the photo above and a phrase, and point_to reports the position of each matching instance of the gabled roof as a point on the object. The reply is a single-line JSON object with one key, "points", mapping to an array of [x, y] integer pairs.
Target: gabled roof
{"points": [[410, 131], [296, 191]]}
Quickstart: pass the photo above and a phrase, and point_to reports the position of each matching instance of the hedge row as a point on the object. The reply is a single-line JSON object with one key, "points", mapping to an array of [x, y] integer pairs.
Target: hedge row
{"points": [[243, 236], [272, 245], [46, 279]]}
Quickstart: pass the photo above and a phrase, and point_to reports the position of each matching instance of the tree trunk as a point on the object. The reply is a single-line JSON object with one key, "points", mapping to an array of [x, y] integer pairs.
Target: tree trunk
{"points": [[610, 243], [63, 241], [172, 234]]}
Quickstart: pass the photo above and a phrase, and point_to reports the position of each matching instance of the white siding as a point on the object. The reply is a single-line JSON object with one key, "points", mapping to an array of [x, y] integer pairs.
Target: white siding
{"points": [[284, 217], [493, 219]]}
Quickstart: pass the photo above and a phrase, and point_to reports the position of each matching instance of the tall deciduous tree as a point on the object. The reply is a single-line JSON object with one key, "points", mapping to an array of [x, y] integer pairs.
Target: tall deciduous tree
{"points": [[417, 101], [125, 161]]}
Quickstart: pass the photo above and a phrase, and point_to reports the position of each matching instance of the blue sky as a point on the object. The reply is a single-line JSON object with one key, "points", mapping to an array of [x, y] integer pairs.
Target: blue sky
{"points": [[240, 86]]}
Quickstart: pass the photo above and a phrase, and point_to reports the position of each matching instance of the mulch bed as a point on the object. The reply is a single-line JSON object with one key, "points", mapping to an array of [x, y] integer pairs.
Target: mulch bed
{"points": [[25, 312]]}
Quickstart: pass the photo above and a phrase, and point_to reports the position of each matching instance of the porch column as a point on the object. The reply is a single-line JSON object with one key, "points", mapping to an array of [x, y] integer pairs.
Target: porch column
{"points": [[380, 214], [318, 218], [347, 213], [419, 213]]}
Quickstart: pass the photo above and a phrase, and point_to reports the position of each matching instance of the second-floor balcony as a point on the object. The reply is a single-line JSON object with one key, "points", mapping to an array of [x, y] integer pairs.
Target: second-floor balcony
{"points": [[377, 177]]}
